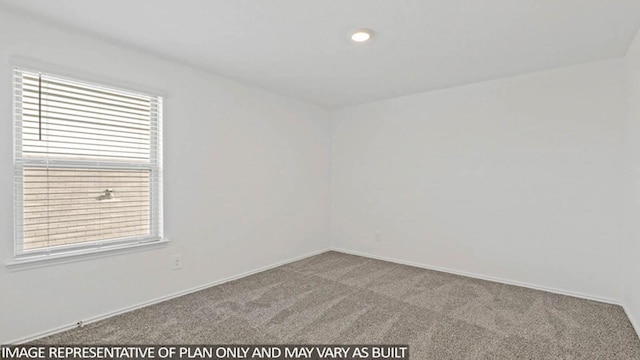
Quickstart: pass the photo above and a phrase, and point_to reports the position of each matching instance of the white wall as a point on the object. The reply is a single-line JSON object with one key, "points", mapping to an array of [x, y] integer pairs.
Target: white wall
{"points": [[246, 183], [632, 246], [519, 179]]}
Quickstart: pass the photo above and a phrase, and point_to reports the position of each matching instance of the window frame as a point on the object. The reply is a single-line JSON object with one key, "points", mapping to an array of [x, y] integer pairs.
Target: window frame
{"points": [[115, 245]]}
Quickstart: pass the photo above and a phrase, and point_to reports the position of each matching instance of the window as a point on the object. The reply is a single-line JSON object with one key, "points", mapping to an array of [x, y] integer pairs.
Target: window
{"points": [[88, 165]]}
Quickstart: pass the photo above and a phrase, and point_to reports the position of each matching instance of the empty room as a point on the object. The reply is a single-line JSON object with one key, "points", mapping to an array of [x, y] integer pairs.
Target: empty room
{"points": [[356, 179]]}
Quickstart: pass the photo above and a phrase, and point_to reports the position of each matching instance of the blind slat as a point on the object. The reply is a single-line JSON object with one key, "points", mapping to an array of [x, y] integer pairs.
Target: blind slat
{"points": [[75, 133], [32, 103], [49, 105], [48, 146], [33, 88], [85, 88]]}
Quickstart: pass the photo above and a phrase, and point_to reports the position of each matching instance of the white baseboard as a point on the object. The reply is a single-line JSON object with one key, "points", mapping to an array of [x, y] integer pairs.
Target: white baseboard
{"points": [[161, 299], [481, 277], [634, 324]]}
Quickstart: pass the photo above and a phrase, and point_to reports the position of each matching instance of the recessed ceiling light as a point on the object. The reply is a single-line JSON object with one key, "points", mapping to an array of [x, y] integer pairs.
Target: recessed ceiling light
{"points": [[361, 35]]}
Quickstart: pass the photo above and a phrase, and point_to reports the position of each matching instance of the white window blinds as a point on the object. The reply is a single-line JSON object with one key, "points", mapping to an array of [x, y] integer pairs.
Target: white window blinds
{"points": [[88, 165]]}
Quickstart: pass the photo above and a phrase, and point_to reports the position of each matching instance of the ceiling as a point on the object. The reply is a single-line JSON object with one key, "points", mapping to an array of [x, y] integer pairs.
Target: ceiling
{"points": [[302, 48]]}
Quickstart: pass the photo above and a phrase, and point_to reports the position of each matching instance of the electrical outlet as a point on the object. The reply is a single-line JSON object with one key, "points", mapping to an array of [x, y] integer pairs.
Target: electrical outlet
{"points": [[377, 237], [176, 262]]}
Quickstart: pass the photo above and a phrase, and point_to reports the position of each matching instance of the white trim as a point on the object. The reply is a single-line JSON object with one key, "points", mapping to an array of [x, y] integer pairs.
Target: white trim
{"points": [[481, 277], [18, 170], [634, 324], [78, 75], [161, 299], [47, 259]]}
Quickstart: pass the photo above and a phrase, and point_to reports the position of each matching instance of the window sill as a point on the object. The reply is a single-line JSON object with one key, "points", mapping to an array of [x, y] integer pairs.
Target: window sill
{"points": [[40, 260]]}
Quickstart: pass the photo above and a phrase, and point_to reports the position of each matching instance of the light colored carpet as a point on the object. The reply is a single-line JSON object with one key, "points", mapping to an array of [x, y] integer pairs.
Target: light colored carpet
{"points": [[335, 298]]}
